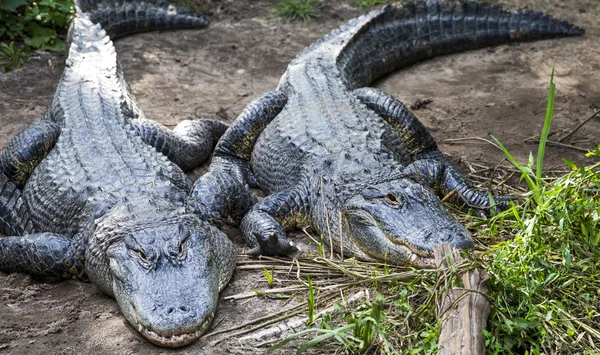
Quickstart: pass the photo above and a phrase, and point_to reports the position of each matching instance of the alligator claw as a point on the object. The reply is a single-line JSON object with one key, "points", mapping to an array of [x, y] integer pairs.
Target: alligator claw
{"points": [[272, 244]]}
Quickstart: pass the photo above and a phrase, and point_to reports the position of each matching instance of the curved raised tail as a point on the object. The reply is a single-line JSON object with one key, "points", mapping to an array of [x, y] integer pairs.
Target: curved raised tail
{"points": [[123, 17], [399, 35]]}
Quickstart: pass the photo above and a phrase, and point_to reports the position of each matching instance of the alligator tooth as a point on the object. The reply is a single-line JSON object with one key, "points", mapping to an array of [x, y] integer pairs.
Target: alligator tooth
{"points": [[140, 328], [413, 258]]}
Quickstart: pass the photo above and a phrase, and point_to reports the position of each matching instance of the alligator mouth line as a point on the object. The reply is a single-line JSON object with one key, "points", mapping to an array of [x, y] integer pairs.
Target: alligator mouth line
{"points": [[412, 250], [176, 339]]}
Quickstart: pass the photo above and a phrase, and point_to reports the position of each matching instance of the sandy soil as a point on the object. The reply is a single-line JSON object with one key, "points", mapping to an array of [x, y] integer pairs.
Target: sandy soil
{"points": [[213, 73]]}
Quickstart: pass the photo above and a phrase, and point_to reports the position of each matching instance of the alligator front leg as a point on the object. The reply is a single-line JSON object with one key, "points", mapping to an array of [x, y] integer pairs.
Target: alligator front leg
{"points": [[443, 177], [265, 225], [188, 145], [236, 145], [14, 215], [27, 149], [43, 254], [400, 118], [219, 195], [223, 192]]}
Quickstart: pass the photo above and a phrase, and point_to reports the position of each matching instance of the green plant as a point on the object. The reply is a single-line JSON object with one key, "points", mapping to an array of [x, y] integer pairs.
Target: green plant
{"points": [[292, 10], [532, 176], [12, 57], [269, 275], [311, 302], [545, 281], [371, 2], [26, 26], [357, 336]]}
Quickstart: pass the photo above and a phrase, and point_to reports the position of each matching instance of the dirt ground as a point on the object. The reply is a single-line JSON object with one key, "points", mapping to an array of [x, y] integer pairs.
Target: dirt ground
{"points": [[214, 72]]}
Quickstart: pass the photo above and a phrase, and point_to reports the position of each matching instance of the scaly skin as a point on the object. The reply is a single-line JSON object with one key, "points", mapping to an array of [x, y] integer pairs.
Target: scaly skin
{"points": [[124, 17], [355, 163], [101, 204]]}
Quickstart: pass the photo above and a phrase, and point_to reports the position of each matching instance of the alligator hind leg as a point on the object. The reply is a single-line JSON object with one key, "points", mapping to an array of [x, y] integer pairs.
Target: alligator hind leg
{"points": [[188, 145], [27, 149], [264, 226], [14, 215], [43, 254], [428, 162]]}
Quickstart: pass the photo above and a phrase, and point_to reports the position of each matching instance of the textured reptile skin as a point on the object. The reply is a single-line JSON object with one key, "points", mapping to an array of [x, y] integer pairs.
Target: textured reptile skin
{"points": [[124, 17], [100, 202], [357, 165]]}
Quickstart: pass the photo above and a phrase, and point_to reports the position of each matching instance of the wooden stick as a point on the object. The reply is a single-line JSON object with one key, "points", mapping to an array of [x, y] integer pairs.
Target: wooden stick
{"points": [[594, 114], [463, 311]]}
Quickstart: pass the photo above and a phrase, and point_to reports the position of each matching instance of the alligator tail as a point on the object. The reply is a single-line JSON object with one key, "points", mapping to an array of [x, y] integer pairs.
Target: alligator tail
{"points": [[123, 17], [397, 36]]}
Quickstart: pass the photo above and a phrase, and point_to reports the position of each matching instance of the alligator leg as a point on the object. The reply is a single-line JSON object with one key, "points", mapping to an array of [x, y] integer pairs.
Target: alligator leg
{"points": [[219, 195], [43, 254], [438, 173], [27, 149], [429, 163], [188, 145], [223, 191], [14, 215], [236, 145], [264, 226], [403, 121]]}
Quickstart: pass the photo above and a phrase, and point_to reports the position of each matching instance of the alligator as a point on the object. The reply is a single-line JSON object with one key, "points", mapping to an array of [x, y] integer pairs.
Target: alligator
{"points": [[97, 192], [353, 162]]}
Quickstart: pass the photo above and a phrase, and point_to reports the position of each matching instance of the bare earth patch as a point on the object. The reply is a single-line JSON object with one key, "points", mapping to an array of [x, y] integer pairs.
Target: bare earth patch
{"points": [[214, 73]]}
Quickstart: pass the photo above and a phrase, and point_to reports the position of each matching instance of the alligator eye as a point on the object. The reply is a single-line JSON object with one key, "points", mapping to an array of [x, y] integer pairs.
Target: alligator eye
{"points": [[143, 257], [182, 246], [391, 199]]}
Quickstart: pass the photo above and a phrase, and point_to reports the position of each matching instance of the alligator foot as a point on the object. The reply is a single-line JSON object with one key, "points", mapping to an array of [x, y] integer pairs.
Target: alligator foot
{"points": [[263, 227]]}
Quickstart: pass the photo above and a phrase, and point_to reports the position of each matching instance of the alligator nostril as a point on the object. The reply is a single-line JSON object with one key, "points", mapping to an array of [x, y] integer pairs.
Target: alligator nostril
{"points": [[446, 237], [184, 309], [170, 310]]}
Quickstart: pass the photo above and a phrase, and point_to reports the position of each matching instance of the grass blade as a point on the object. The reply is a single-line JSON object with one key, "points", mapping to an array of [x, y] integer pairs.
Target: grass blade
{"points": [[546, 129]]}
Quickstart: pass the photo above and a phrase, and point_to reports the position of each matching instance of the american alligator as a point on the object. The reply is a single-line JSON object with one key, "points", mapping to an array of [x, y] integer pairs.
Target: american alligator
{"points": [[84, 194], [354, 162]]}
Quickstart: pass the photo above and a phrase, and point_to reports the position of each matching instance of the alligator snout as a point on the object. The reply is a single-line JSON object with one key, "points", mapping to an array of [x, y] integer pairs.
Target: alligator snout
{"points": [[178, 312], [456, 235]]}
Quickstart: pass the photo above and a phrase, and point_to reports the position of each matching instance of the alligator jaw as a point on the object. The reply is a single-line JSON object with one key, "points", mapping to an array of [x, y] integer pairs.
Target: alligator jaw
{"points": [[175, 339], [418, 258]]}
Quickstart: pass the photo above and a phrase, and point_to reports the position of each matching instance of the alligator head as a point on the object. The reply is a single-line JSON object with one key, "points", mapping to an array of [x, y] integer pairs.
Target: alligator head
{"points": [[387, 214], [400, 221], [166, 275]]}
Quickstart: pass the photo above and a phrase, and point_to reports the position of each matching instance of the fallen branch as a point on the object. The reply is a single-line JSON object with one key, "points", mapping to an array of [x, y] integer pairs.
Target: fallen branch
{"points": [[559, 144], [463, 311], [594, 114]]}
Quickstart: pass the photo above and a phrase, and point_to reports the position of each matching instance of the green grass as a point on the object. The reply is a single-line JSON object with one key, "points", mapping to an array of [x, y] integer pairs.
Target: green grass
{"points": [[305, 10], [27, 26], [543, 260]]}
